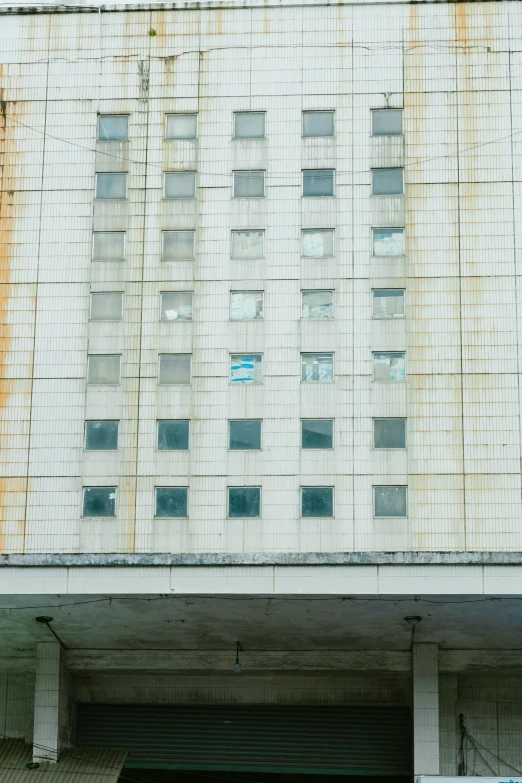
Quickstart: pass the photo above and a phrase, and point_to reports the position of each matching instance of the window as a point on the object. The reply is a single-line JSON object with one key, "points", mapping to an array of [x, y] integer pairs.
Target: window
{"points": [[318, 123], [99, 501], [317, 434], [246, 368], [388, 303], [244, 502], [103, 369], [249, 125], [389, 433], [174, 368], [316, 367], [106, 306], [113, 127], [317, 501], [173, 435], [246, 305], [387, 122], [318, 182], [244, 435], [172, 502], [101, 435], [176, 306], [181, 126], [111, 186], [178, 246], [389, 367], [317, 304], [180, 184], [108, 246], [247, 244], [318, 242], [249, 184], [387, 182], [389, 501], [388, 241]]}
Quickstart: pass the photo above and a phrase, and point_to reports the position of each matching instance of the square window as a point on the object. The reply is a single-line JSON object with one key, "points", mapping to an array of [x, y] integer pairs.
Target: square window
{"points": [[389, 433], [246, 368], [317, 434], [387, 182], [318, 242], [318, 123], [180, 184], [178, 245], [101, 435], [317, 304], [317, 501], [388, 241], [173, 435], [103, 369], [113, 127], [108, 246], [249, 125], [246, 305], [181, 126], [176, 306], [387, 122], [172, 502], [99, 501], [318, 182], [244, 435], [317, 367], [389, 501], [247, 245], [389, 367], [388, 303], [244, 502], [106, 306], [249, 184], [174, 368], [111, 186]]}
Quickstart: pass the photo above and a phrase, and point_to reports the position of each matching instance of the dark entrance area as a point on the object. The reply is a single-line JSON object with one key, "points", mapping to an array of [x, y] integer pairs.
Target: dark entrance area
{"points": [[181, 776]]}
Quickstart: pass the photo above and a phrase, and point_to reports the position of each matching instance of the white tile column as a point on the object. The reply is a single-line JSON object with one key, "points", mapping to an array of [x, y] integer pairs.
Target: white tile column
{"points": [[426, 755], [54, 714]]}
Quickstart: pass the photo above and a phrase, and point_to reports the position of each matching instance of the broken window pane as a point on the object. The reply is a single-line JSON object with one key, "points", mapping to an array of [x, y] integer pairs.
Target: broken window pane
{"points": [[176, 306], [244, 502], [180, 184], [317, 304], [388, 303], [178, 246], [174, 368], [390, 501], [101, 435], [318, 242], [181, 126], [317, 501], [246, 368], [318, 123], [249, 125], [387, 122], [389, 433], [99, 501], [247, 244], [389, 367], [388, 241], [245, 434], [316, 367], [111, 186], [103, 369], [113, 127], [171, 502], [249, 184], [318, 182], [173, 435], [108, 246], [246, 305], [106, 306], [387, 182], [317, 434]]}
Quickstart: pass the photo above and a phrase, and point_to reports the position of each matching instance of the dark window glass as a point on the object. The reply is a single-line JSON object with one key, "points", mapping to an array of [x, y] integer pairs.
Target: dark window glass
{"points": [[101, 435], [173, 435], [245, 434], [99, 502], [390, 501], [387, 182], [171, 502], [317, 434], [317, 501], [389, 433], [318, 182], [387, 122], [244, 502]]}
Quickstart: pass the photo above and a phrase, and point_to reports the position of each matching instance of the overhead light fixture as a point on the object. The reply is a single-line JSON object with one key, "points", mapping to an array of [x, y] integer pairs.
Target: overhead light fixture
{"points": [[237, 665]]}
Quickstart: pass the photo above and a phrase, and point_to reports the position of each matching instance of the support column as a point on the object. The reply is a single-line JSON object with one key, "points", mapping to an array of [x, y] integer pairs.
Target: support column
{"points": [[54, 714], [425, 662]]}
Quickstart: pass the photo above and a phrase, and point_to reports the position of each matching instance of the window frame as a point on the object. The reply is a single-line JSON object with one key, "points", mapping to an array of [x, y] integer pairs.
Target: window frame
{"points": [[97, 451], [242, 451], [106, 320], [244, 231], [245, 171], [174, 353], [248, 138], [387, 317], [176, 113], [156, 516], [99, 516], [316, 486], [246, 486], [388, 516], [120, 198], [110, 260], [330, 448], [317, 111], [164, 231], [317, 353], [180, 198], [390, 448], [318, 290], [387, 135], [170, 451], [303, 195], [387, 228], [176, 320], [315, 230], [112, 141], [387, 168], [105, 383]]}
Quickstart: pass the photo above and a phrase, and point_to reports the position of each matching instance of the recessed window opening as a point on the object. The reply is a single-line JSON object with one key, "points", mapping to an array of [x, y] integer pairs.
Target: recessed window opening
{"points": [[176, 306], [317, 304], [389, 367], [113, 127], [101, 435], [174, 368], [247, 245], [318, 182], [389, 501], [317, 502], [106, 306], [99, 501], [173, 435], [103, 369], [317, 434], [317, 367], [108, 246], [178, 245], [387, 122], [246, 368], [180, 184], [318, 123], [388, 241], [318, 242], [111, 186], [172, 502], [246, 305], [244, 502], [244, 435], [249, 184], [388, 303], [387, 182], [181, 126], [389, 433], [249, 125]]}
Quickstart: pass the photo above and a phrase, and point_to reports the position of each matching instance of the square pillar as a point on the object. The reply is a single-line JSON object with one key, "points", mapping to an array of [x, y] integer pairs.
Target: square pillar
{"points": [[54, 715], [425, 662]]}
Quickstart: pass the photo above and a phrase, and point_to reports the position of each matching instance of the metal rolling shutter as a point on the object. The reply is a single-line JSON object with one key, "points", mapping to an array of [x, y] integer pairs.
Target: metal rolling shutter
{"points": [[326, 740]]}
